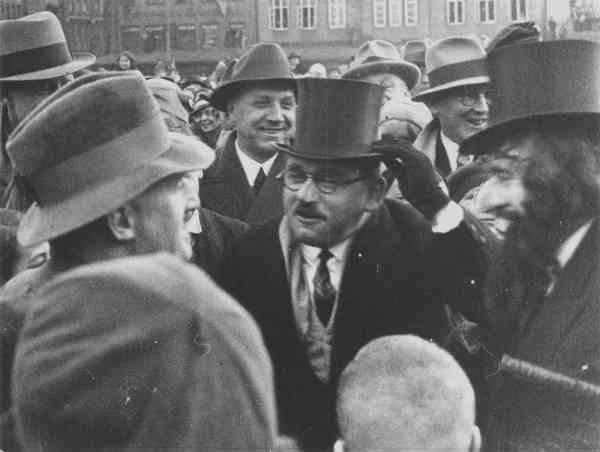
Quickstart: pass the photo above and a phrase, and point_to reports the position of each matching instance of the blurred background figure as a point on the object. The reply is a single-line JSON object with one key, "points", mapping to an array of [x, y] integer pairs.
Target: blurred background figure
{"points": [[414, 52], [125, 61], [317, 70], [334, 72], [206, 122], [403, 393], [170, 100], [296, 65], [160, 69], [403, 120]]}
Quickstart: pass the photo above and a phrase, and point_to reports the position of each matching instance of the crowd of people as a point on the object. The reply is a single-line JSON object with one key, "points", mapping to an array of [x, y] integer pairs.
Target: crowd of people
{"points": [[401, 253]]}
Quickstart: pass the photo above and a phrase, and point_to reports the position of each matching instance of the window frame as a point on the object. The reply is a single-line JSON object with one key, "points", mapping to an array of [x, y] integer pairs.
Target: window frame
{"points": [[302, 5], [456, 3], [340, 6], [383, 5], [406, 5], [398, 20], [486, 4], [517, 10], [281, 6]]}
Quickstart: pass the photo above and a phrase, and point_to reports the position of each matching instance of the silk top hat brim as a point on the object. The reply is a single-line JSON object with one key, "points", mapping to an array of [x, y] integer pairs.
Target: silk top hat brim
{"points": [[34, 47], [539, 80], [264, 63], [336, 119], [408, 72]]}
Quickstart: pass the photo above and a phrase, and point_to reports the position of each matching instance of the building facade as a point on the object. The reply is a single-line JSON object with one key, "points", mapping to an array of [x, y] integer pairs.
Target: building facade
{"points": [[332, 29]]}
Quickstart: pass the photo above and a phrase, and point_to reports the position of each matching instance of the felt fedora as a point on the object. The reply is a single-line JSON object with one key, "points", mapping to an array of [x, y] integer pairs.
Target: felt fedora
{"points": [[382, 56], [263, 62], [91, 146], [453, 62], [540, 80], [414, 52], [34, 47], [336, 119]]}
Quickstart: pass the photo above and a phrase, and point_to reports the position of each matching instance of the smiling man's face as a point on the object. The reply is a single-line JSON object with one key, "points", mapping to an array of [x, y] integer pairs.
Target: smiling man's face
{"points": [[263, 116]]}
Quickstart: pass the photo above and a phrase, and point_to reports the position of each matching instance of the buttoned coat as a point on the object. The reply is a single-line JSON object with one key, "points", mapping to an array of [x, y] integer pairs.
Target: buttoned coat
{"points": [[562, 335], [391, 284], [225, 189]]}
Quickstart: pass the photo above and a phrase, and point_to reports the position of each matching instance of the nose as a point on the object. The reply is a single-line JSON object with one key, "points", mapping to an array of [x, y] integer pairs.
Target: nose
{"points": [[308, 192], [275, 113], [482, 104]]}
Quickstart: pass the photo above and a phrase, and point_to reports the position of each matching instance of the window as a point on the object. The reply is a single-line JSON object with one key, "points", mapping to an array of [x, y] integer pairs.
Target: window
{"points": [[186, 37], [379, 13], [278, 17], [487, 11], [337, 13], [211, 35], [395, 12], [155, 38], [518, 10], [411, 13], [456, 12], [307, 14]]}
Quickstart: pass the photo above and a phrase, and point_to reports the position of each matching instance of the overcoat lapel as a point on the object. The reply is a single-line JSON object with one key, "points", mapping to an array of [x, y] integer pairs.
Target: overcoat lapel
{"points": [[268, 204], [565, 304]]}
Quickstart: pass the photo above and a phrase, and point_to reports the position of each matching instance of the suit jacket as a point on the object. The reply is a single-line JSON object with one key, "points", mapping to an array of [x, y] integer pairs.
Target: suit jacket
{"points": [[390, 285], [563, 336], [225, 189]]}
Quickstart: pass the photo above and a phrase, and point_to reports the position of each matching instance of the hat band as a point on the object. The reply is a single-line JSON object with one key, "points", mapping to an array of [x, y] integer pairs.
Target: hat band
{"points": [[457, 71], [104, 163], [33, 60]]}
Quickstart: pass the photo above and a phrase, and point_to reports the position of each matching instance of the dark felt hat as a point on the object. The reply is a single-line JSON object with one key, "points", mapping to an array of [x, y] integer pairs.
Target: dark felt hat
{"points": [[379, 56], [90, 147], [414, 52], [336, 119], [264, 62], [141, 353], [540, 80], [517, 33], [34, 47], [453, 62]]}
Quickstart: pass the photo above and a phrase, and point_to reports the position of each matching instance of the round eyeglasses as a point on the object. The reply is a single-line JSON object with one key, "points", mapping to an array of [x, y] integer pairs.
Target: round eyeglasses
{"points": [[293, 179]]}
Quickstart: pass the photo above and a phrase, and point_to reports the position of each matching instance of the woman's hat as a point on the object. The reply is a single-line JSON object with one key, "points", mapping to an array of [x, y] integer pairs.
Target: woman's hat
{"points": [[34, 48], [264, 62], [93, 145], [379, 56], [454, 62], [335, 119], [540, 80]]}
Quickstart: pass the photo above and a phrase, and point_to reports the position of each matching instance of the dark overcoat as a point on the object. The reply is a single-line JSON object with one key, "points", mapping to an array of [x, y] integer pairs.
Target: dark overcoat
{"points": [[225, 189], [392, 283]]}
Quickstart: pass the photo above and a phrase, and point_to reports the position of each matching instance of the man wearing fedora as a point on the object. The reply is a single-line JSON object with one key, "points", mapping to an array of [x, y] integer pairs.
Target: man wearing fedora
{"points": [[543, 292], [456, 96], [108, 181], [343, 266], [259, 99], [34, 61]]}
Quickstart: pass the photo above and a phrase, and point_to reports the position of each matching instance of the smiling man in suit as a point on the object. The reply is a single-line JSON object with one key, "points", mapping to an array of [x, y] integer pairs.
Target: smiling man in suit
{"points": [[260, 100], [344, 265]]}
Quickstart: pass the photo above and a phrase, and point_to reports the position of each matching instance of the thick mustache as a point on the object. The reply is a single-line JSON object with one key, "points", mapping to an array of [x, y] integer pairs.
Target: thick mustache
{"points": [[309, 212]]}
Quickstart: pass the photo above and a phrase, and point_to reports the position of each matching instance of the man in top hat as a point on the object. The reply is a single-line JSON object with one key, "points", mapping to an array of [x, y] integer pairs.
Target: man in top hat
{"points": [[457, 97], [34, 61], [543, 293], [108, 180], [406, 394], [343, 266], [259, 99]]}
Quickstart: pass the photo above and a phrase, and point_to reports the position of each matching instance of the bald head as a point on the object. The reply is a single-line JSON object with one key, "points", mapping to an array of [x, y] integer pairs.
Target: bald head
{"points": [[404, 393]]}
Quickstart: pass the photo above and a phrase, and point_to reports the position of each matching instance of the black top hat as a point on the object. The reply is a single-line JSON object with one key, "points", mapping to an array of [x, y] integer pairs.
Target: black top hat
{"points": [[264, 62], [336, 119], [537, 80]]}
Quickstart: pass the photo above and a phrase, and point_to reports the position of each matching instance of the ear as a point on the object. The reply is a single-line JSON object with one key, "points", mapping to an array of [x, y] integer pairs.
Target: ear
{"points": [[339, 446], [121, 223], [377, 191], [475, 445]]}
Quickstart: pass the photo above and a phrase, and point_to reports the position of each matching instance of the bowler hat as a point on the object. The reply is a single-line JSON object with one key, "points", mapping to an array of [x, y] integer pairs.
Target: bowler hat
{"points": [[34, 48], [263, 62], [382, 56], [414, 52], [453, 62], [335, 119], [540, 80], [91, 146], [142, 353]]}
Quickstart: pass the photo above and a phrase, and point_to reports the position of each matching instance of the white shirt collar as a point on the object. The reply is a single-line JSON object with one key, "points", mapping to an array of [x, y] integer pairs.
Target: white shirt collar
{"points": [[335, 265], [451, 150], [567, 249], [252, 167]]}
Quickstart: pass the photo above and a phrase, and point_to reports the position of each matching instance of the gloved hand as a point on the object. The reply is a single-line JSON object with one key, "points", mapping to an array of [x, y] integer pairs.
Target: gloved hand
{"points": [[418, 180]]}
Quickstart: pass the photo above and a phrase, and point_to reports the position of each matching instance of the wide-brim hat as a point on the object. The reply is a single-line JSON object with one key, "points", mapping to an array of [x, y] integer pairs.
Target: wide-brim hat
{"points": [[34, 47], [379, 56], [539, 80], [265, 62], [93, 145], [453, 62], [336, 119]]}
